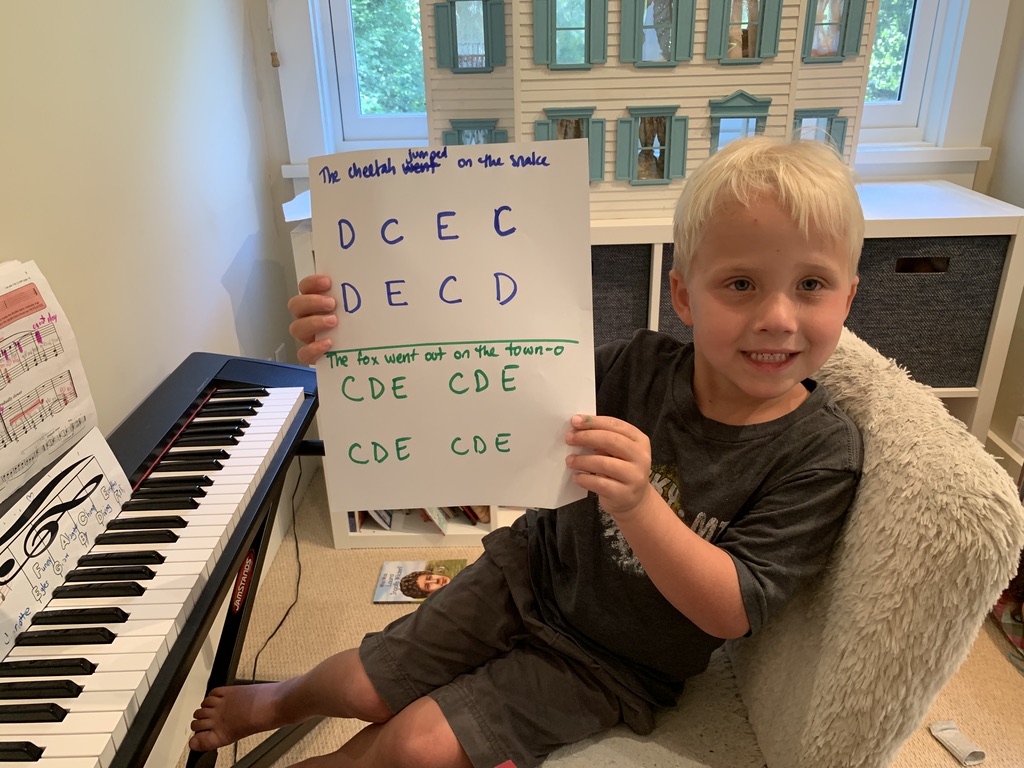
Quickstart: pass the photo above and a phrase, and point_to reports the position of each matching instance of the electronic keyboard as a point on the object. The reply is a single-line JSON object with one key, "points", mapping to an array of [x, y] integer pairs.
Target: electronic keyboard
{"points": [[90, 682]]}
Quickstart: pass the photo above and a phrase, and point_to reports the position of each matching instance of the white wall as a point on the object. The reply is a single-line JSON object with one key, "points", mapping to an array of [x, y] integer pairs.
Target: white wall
{"points": [[136, 170], [1003, 177]]}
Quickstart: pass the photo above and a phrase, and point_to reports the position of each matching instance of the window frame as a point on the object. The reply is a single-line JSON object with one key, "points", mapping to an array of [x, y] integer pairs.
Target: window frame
{"points": [[453, 137], [596, 44], [593, 129], [739, 104], [676, 138], [446, 35], [350, 124], [769, 31], [836, 128], [631, 40], [851, 29]]}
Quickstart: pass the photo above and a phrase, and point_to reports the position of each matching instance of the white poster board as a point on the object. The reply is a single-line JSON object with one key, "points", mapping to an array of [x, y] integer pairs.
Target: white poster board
{"points": [[465, 334]]}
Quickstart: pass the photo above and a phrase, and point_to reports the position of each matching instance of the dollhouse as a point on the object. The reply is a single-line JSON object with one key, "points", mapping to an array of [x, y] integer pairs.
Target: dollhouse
{"points": [[655, 86]]}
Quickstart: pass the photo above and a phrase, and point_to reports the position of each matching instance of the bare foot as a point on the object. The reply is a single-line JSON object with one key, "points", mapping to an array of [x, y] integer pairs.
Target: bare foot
{"points": [[233, 712]]}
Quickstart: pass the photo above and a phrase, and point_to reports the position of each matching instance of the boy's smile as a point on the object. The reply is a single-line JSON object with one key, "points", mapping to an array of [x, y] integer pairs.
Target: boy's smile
{"points": [[766, 305]]}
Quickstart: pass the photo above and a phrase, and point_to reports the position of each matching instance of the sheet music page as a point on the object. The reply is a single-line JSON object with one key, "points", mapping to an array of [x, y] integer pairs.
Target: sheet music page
{"points": [[51, 526], [45, 403]]}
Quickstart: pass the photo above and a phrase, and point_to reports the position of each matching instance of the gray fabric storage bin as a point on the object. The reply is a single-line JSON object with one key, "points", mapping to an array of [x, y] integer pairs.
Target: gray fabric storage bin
{"points": [[621, 277], [927, 302]]}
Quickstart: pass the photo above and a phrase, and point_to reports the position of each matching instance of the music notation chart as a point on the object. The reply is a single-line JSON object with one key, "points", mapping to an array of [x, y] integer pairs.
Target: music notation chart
{"points": [[51, 526], [45, 403]]}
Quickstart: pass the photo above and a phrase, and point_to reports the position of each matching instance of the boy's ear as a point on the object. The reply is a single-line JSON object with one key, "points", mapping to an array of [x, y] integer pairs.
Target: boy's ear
{"points": [[853, 292], [681, 297]]}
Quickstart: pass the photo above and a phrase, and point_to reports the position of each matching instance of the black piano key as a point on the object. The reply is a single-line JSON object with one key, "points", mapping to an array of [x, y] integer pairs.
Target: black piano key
{"points": [[223, 392], [137, 557], [75, 636], [111, 573], [146, 523], [162, 536], [199, 453], [46, 667], [189, 440], [217, 427], [104, 589], [181, 490], [185, 480], [159, 503], [32, 713], [100, 615], [226, 409], [189, 465], [40, 689], [20, 751]]}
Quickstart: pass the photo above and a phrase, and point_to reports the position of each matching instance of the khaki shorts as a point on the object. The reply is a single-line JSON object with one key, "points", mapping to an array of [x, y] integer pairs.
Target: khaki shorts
{"points": [[511, 688]]}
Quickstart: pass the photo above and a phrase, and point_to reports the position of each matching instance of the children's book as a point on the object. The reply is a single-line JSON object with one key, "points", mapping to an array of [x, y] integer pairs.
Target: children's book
{"points": [[410, 581], [436, 516]]}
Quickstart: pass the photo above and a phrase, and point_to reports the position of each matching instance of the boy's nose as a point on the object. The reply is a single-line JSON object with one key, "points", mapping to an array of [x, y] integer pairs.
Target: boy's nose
{"points": [[777, 314]]}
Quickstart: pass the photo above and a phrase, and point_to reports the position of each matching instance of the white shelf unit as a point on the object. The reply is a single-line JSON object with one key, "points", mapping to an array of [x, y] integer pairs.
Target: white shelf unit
{"points": [[911, 209], [415, 532]]}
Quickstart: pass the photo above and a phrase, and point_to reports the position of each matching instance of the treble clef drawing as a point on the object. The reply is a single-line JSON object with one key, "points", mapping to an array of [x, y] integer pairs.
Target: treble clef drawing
{"points": [[43, 522]]}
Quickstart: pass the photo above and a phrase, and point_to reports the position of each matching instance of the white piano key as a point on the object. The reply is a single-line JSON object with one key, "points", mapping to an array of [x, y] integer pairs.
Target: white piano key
{"points": [[55, 762], [75, 722], [98, 746], [154, 645]]}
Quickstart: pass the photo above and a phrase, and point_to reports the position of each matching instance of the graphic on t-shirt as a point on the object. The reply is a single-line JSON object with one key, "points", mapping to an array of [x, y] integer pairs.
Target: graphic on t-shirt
{"points": [[665, 478]]}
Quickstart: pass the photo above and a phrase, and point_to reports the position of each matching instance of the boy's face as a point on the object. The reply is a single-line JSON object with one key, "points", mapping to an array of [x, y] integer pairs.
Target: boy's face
{"points": [[766, 306]]}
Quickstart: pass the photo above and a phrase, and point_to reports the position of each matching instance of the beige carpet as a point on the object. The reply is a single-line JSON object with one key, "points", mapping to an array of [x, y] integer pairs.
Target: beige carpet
{"points": [[334, 610]]}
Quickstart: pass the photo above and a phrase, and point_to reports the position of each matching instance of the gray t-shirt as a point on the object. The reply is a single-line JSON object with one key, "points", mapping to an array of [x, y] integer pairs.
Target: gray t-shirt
{"points": [[772, 495]]}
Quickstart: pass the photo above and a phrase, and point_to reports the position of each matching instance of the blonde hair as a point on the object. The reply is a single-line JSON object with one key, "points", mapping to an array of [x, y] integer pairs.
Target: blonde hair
{"points": [[807, 179]]}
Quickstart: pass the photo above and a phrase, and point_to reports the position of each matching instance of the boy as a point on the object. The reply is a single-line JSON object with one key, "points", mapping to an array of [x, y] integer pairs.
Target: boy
{"points": [[719, 475]]}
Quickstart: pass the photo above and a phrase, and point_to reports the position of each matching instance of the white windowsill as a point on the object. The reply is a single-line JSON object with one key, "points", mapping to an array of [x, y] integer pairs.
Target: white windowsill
{"points": [[918, 153]]}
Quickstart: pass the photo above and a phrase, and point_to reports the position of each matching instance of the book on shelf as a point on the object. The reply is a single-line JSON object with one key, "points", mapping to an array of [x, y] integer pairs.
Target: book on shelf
{"points": [[410, 581], [436, 516], [384, 517]]}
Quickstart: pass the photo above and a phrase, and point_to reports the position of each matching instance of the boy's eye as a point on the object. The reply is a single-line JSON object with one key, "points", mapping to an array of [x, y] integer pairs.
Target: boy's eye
{"points": [[741, 284], [810, 284]]}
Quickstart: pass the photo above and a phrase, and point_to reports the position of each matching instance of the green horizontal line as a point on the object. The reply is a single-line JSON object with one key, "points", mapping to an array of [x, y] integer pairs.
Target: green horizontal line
{"points": [[455, 343]]}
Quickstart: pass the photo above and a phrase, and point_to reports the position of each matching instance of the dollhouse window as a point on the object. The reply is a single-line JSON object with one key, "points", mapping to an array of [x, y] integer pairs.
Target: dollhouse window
{"points": [[465, 132], [651, 146], [743, 31], [735, 117], [470, 35], [570, 34], [833, 30], [575, 123], [820, 125], [656, 32]]}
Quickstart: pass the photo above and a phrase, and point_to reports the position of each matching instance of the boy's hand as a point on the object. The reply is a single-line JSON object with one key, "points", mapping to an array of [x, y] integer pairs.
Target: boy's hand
{"points": [[618, 469], [311, 310]]}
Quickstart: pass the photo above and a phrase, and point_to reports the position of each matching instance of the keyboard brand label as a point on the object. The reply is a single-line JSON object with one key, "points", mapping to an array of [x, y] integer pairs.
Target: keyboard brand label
{"points": [[243, 581]]}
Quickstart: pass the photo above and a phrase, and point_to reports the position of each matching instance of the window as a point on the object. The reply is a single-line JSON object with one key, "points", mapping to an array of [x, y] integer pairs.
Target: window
{"points": [[833, 30], [474, 132], [656, 32], [821, 125], [743, 31], [570, 34], [470, 35], [372, 37], [735, 117], [651, 146], [575, 123]]}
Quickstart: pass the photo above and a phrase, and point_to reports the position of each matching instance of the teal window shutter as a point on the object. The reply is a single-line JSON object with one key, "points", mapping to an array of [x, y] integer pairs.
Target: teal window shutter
{"points": [[717, 16], [629, 38], [683, 39], [444, 35], [499, 136], [495, 10], [543, 130], [596, 147], [542, 37], [839, 132], [597, 31], [771, 28], [625, 148], [853, 27], [677, 147], [450, 138]]}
